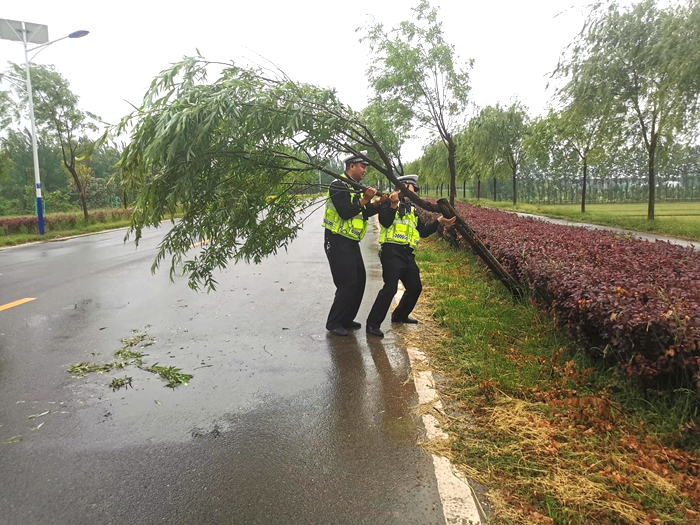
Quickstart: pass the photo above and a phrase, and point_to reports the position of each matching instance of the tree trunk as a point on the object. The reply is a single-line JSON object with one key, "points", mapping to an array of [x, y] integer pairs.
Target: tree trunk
{"points": [[478, 189], [83, 204], [515, 190], [451, 149], [494, 189], [652, 179], [481, 250], [583, 185], [79, 188]]}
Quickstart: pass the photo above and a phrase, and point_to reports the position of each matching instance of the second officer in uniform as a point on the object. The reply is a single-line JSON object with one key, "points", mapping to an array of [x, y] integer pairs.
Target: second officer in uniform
{"points": [[400, 230]]}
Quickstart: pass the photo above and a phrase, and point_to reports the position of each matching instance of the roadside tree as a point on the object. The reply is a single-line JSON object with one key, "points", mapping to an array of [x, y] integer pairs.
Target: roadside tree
{"points": [[433, 166], [648, 59], [5, 109], [487, 145], [17, 146], [467, 167], [414, 66], [390, 125], [512, 126], [5, 167], [584, 127], [98, 193], [58, 117], [580, 129]]}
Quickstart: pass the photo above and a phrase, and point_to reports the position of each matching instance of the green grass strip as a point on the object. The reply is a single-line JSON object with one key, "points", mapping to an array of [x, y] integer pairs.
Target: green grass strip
{"points": [[549, 431], [14, 240]]}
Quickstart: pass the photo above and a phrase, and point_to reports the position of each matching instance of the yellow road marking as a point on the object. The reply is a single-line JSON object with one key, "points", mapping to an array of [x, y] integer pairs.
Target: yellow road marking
{"points": [[199, 243], [16, 303]]}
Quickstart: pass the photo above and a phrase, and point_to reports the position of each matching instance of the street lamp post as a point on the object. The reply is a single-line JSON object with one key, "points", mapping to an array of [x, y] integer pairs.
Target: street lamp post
{"points": [[29, 33]]}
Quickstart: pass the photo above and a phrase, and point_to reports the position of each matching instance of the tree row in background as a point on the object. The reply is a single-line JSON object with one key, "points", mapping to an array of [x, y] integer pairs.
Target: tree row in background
{"points": [[623, 127], [623, 124], [74, 175]]}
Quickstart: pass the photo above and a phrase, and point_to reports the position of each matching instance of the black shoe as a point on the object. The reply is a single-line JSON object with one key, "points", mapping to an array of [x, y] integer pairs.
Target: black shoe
{"points": [[374, 331], [407, 320], [340, 331], [352, 325]]}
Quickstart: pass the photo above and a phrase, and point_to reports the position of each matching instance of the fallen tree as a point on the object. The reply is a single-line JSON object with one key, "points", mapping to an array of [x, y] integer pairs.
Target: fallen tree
{"points": [[231, 156]]}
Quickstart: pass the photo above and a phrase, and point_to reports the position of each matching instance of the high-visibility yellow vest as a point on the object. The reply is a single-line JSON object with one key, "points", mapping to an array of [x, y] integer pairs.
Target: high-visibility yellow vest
{"points": [[404, 230], [353, 228]]}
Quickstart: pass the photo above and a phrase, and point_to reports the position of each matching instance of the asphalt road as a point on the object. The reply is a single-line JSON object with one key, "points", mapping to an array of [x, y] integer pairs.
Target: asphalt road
{"points": [[281, 423]]}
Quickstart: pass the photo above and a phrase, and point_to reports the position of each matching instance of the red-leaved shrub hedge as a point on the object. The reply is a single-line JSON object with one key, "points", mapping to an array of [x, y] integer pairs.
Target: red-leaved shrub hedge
{"points": [[620, 297], [58, 221]]}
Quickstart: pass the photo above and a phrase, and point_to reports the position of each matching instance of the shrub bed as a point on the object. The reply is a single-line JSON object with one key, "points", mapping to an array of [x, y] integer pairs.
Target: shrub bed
{"points": [[59, 221], [635, 301]]}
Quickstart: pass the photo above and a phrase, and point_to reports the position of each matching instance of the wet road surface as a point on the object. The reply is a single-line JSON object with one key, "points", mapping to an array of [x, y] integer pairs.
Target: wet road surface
{"points": [[281, 423]]}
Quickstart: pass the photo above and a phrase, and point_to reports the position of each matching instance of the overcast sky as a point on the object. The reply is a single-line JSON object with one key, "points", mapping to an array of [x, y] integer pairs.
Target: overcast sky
{"points": [[514, 43]]}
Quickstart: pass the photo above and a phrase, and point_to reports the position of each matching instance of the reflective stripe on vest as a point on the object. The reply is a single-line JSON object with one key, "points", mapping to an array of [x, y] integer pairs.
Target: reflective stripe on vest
{"points": [[404, 230], [354, 228]]}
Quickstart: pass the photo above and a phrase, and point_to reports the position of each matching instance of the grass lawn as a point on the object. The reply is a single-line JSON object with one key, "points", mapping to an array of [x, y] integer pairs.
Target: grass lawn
{"points": [[554, 436], [14, 240]]}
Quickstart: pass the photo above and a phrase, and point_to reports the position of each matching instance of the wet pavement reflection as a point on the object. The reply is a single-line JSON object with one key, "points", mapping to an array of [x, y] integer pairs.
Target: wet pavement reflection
{"points": [[281, 423]]}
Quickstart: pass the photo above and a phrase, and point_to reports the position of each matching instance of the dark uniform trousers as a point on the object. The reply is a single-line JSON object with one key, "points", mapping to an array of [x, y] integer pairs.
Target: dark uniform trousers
{"points": [[349, 277], [398, 264]]}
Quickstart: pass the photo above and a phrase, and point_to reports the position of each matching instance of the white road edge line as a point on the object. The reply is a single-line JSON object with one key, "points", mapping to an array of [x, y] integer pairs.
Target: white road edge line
{"points": [[458, 505]]}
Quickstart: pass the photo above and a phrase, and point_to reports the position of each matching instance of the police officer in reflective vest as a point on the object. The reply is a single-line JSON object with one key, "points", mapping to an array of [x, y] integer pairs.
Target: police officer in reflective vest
{"points": [[345, 222], [400, 230]]}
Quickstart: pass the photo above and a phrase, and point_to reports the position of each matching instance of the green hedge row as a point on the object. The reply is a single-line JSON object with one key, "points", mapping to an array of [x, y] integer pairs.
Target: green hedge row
{"points": [[28, 224]]}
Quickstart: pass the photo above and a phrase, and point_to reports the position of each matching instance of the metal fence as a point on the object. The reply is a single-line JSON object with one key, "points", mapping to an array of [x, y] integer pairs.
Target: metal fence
{"points": [[564, 190]]}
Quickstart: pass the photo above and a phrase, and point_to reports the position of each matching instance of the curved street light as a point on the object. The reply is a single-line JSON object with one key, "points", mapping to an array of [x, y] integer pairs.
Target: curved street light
{"points": [[29, 33]]}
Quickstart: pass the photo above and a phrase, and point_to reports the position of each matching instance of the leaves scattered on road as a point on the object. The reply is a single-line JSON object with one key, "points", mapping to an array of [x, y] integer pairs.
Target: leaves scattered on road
{"points": [[172, 375], [118, 382], [34, 416], [129, 355]]}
